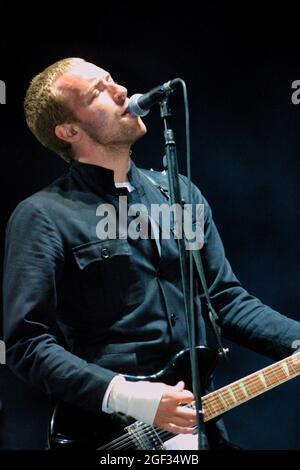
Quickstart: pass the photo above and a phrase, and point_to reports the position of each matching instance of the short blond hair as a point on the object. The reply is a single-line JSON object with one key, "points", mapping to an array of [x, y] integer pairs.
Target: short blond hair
{"points": [[45, 108]]}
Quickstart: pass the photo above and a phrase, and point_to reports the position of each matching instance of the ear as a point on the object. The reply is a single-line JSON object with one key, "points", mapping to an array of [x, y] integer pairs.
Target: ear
{"points": [[67, 132]]}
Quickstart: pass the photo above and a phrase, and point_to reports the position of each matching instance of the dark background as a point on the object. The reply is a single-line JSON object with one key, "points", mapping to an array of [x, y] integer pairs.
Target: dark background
{"points": [[239, 66]]}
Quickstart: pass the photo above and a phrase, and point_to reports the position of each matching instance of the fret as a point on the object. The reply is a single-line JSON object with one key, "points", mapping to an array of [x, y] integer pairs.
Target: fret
{"points": [[277, 376], [213, 406], [220, 405], [230, 397], [207, 406], [282, 371], [285, 369], [262, 379], [224, 404], [253, 385], [210, 402], [228, 400], [244, 389], [267, 377], [208, 413], [291, 362], [295, 362], [238, 392], [230, 390]]}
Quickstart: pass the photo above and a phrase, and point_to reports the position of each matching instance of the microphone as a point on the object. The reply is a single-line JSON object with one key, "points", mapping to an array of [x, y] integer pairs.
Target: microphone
{"points": [[139, 105]]}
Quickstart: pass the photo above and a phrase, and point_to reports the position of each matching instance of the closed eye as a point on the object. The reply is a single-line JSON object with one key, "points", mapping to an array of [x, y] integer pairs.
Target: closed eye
{"points": [[100, 86]]}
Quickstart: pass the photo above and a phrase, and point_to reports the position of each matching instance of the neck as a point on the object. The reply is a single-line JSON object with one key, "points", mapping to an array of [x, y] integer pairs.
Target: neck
{"points": [[113, 157]]}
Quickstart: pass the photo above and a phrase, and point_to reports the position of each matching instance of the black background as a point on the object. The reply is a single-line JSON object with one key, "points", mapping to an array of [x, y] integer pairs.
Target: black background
{"points": [[239, 64]]}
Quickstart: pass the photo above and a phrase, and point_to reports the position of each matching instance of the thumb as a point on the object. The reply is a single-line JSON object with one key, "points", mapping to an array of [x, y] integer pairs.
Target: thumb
{"points": [[179, 386]]}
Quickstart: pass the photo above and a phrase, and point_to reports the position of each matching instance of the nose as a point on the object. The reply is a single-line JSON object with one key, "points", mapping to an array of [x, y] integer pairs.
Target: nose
{"points": [[118, 93]]}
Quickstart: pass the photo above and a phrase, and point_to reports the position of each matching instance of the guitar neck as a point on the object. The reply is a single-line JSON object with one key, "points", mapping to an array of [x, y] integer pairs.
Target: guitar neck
{"points": [[230, 396]]}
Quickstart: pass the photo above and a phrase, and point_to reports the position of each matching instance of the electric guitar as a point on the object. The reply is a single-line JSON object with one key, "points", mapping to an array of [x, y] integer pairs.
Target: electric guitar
{"points": [[73, 427]]}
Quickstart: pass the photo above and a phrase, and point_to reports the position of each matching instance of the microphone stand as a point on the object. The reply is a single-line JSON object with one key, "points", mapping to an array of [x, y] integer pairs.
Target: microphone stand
{"points": [[186, 263]]}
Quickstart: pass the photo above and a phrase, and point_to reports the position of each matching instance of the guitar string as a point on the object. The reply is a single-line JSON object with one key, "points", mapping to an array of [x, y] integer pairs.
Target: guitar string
{"points": [[150, 430], [210, 397], [146, 430]]}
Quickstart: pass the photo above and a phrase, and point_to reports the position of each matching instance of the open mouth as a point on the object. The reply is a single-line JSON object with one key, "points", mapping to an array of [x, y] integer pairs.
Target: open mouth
{"points": [[126, 113]]}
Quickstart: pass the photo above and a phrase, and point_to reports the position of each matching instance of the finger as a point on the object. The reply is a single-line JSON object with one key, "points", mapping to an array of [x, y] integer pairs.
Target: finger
{"points": [[178, 418], [185, 413], [178, 429], [184, 422], [179, 386], [184, 397]]}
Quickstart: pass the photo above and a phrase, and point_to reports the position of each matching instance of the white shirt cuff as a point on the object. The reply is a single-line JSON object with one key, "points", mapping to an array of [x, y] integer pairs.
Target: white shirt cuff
{"points": [[105, 408], [137, 399]]}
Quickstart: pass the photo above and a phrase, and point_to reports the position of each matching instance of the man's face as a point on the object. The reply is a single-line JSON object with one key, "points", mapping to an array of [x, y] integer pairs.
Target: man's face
{"points": [[100, 105]]}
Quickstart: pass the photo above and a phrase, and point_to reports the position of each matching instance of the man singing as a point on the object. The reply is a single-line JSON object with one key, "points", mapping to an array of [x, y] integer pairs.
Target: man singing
{"points": [[118, 302]]}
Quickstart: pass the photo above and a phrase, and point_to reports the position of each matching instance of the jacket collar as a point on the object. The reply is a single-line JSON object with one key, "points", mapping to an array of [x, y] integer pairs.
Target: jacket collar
{"points": [[101, 180]]}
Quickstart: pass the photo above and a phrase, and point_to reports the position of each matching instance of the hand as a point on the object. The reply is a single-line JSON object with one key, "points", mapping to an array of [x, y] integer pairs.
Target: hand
{"points": [[173, 417]]}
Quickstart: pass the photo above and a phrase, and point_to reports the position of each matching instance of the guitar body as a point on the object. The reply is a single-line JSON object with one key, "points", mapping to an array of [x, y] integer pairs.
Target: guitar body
{"points": [[74, 428]]}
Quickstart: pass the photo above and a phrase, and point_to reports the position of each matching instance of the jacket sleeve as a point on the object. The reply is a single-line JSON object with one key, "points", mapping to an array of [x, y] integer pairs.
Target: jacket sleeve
{"points": [[33, 264], [243, 318]]}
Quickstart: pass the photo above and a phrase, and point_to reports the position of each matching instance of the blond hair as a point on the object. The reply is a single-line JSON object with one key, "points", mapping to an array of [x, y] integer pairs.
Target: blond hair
{"points": [[45, 108]]}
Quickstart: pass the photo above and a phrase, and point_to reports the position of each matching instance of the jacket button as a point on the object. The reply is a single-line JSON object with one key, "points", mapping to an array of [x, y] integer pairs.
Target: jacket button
{"points": [[173, 318], [105, 253]]}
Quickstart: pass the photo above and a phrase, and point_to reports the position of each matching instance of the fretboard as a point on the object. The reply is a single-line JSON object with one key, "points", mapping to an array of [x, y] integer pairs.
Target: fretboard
{"points": [[230, 396]]}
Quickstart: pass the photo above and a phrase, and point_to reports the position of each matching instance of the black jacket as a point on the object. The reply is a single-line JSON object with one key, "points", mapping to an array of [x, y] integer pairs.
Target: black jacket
{"points": [[118, 303]]}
